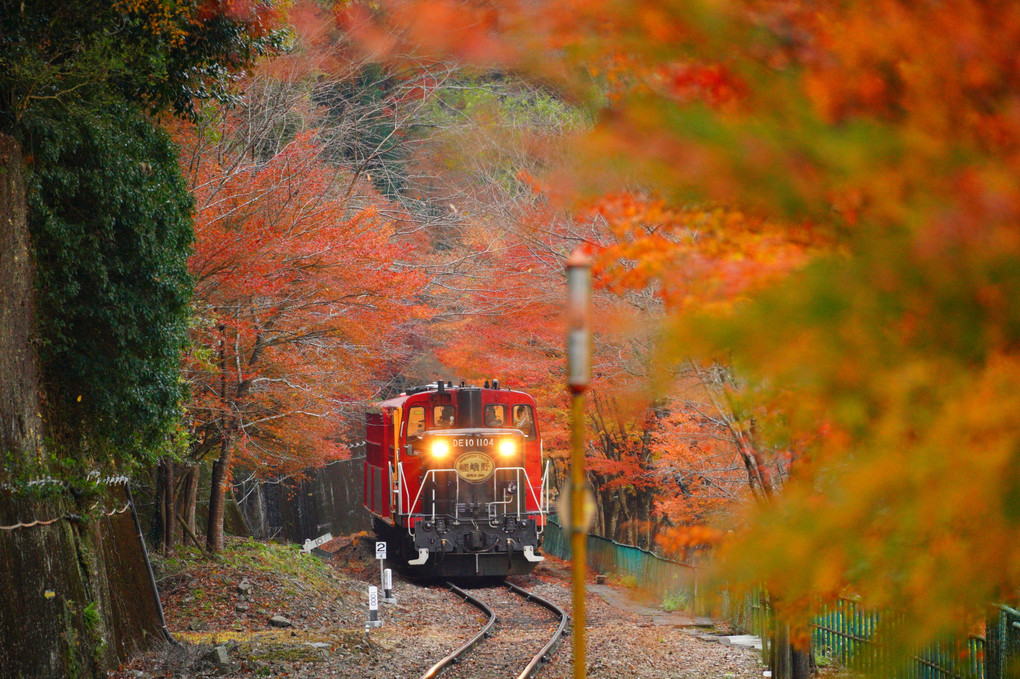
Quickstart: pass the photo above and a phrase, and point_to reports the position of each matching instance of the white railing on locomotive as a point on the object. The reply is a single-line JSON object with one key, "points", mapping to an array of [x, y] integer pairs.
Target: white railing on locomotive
{"points": [[531, 489], [433, 473], [542, 501], [402, 486], [403, 491], [545, 495], [394, 484], [491, 507]]}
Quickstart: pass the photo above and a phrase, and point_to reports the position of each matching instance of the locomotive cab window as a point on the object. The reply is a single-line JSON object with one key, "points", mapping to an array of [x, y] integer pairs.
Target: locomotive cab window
{"points": [[524, 420], [443, 417], [415, 421], [495, 416]]}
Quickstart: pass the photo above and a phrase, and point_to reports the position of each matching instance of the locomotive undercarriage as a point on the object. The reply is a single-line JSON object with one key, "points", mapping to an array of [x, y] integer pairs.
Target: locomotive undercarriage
{"points": [[511, 548], [462, 531]]}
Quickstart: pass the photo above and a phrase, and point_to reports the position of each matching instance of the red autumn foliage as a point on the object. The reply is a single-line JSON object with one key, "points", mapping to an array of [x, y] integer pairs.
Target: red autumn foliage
{"points": [[298, 302]]}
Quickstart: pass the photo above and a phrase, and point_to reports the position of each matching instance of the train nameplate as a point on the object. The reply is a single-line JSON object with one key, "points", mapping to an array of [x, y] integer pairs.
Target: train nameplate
{"points": [[474, 467], [478, 441]]}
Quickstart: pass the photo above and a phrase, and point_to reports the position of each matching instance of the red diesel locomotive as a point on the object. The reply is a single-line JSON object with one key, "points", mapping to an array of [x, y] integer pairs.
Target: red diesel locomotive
{"points": [[455, 480]]}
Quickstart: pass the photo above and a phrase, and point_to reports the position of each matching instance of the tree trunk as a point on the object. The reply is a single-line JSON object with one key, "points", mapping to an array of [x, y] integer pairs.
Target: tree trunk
{"points": [[167, 530], [632, 519], [168, 505], [785, 660], [188, 498], [217, 496]]}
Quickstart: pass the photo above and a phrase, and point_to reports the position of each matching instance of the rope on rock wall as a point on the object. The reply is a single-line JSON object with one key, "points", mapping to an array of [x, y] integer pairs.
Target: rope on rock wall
{"points": [[67, 516]]}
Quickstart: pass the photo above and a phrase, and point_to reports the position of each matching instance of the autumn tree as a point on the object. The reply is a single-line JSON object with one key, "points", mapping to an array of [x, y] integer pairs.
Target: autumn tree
{"points": [[890, 130], [98, 293], [298, 300]]}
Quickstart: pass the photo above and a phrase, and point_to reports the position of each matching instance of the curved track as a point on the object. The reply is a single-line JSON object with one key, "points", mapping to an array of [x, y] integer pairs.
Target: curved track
{"points": [[519, 632]]}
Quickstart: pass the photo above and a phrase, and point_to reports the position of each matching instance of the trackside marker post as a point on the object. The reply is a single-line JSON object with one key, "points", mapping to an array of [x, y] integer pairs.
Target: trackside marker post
{"points": [[373, 608], [387, 587], [578, 379], [380, 554]]}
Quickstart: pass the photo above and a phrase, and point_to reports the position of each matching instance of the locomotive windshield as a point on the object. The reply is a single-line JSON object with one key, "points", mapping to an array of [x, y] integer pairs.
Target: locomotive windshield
{"points": [[416, 421], [495, 416], [443, 417], [524, 420]]}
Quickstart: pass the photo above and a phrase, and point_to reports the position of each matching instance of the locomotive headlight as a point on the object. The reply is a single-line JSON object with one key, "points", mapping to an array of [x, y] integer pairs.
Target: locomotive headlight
{"points": [[440, 449], [507, 447]]}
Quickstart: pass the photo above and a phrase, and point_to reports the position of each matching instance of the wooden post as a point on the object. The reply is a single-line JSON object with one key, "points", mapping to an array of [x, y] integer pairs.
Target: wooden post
{"points": [[578, 379]]}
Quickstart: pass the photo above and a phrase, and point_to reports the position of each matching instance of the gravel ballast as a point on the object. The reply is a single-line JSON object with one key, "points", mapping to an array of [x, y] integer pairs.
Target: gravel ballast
{"points": [[328, 609]]}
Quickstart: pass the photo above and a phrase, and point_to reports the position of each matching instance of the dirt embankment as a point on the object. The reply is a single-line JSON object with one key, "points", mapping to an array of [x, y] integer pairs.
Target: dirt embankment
{"points": [[269, 610]]}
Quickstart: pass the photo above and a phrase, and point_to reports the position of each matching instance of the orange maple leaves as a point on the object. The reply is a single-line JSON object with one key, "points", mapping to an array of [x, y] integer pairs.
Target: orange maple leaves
{"points": [[299, 301], [694, 257]]}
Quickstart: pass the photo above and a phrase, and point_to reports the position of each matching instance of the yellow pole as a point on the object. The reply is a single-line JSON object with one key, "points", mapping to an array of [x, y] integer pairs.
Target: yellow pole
{"points": [[578, 379], [578, 532]]}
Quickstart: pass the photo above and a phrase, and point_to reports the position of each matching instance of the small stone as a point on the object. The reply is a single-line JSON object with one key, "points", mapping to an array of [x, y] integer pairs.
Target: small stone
{"points": [[244, 587], [241, 608], [280, 621], [218, 656], [198, 625]]}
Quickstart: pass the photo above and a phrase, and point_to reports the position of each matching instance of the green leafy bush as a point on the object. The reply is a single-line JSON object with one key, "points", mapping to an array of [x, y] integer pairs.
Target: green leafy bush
{"points": [[110, 218]]}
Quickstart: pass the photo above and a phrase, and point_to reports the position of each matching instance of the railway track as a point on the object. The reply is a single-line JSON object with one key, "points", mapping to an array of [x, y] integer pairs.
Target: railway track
{"points": [[511, 636]]}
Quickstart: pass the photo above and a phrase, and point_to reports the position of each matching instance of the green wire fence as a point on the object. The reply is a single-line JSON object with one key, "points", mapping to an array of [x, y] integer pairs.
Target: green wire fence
{"points": [[844, 632], [848, 635], [662, 577]]}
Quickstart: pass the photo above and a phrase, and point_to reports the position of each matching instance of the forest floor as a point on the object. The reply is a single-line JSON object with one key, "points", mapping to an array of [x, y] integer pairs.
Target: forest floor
{"points": [[222, 608]]}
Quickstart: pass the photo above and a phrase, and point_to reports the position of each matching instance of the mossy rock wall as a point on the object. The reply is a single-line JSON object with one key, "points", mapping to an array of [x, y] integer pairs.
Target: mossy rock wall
{"points": [[74, 593]]}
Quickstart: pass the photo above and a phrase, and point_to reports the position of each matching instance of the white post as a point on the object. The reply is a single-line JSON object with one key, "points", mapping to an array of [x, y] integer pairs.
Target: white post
{"points": [[373, 608], [387, 584]]}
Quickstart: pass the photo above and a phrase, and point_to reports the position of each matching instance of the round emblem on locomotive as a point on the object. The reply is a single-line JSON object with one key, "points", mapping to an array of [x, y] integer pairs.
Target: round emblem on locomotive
{"points": [[474, 467]]}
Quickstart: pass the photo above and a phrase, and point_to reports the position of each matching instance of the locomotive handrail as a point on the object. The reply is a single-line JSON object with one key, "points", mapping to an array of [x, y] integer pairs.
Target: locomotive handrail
{"points": [[491, 506], [433, 472], [394, 492], [531, 489], [421, 487], [544, 506], [400, 482]]}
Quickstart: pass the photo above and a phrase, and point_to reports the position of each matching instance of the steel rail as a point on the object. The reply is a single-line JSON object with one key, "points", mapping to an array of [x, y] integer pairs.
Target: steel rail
{"points": [[542, 655], [470, 643], [536, 660]]}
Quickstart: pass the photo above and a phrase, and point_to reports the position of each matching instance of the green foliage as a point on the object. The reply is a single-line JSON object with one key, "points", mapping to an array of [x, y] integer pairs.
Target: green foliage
{"points": [[111, 225], [522, 115], [675, 601], [91, 616], [163, 54], [253, 556], [109, 213]]}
